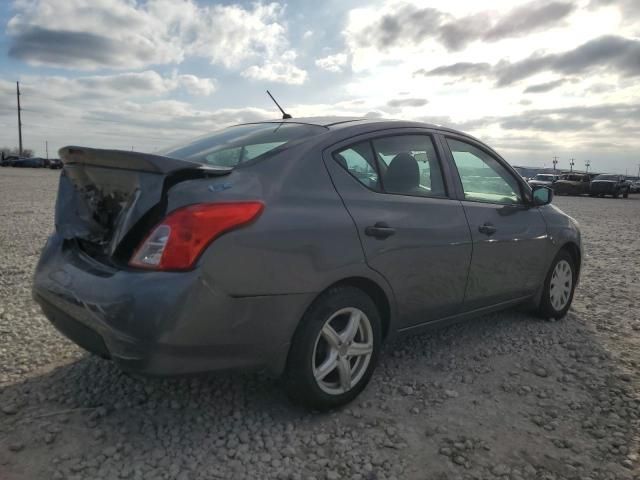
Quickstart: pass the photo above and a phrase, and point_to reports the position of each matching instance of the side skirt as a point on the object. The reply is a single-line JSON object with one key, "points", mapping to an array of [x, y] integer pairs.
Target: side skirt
{"points": [[461, 317]]}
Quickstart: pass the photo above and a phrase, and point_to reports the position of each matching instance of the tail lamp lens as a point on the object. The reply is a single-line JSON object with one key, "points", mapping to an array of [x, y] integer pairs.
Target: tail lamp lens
{"points": [[177, 242]]}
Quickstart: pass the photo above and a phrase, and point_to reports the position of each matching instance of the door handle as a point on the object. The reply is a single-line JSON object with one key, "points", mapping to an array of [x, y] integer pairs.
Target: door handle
{"points": [[380, 231], [487, 229]]}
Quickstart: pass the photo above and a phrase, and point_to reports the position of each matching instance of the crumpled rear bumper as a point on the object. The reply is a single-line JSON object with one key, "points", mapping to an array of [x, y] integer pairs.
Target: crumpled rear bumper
{"points": [[162, 323]]}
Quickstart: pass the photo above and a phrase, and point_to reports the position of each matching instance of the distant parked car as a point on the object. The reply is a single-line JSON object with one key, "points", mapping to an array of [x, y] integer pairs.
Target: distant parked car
{"points": [[543, 180], [614, 185], [34, 162], [55, 163], [572, 184], [9, 161], [634, 187]]}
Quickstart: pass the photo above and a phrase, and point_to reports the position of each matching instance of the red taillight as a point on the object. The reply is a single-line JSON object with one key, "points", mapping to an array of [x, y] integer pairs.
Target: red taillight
{"points": [[177, 242]]}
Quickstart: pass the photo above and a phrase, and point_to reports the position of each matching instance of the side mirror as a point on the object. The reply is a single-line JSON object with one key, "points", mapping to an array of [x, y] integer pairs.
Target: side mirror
{"points": [[542, 196]]}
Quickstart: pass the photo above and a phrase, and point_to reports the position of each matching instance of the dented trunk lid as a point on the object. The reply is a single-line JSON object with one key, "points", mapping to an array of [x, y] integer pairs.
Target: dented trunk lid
{"points": [[108, 199]]}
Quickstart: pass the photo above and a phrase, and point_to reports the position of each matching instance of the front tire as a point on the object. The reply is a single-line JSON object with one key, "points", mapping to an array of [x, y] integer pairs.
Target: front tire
{"points": [[334, 349], [559, 287]]}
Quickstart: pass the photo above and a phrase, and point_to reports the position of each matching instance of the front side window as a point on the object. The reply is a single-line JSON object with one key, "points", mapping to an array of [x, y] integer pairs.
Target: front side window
{"points": [[358, 160], [234, 145], [483, 178], [409, 165]]}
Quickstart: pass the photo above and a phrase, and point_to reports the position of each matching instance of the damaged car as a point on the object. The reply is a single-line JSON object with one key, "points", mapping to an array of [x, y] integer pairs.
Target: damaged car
{"points": [[299, 246]]}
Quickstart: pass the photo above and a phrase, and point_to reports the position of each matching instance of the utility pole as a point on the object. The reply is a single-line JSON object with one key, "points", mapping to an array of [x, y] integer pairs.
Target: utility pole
{"points": [[587, 164], [572, 163], [555, 162], [46, 148], [19, 120]]}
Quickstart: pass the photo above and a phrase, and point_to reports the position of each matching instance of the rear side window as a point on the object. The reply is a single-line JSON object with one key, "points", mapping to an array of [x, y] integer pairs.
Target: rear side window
{"points": [[235, 145], [359, 161], [409, 165]]}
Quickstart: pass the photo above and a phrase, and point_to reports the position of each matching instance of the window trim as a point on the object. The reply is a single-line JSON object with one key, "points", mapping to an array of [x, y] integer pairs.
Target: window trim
{"points": [[375, 165], [525, 193], [370, 138]]}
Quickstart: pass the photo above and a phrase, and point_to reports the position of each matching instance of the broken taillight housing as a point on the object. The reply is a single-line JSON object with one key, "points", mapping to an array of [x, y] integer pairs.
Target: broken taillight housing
{"points": [[177, 242]]}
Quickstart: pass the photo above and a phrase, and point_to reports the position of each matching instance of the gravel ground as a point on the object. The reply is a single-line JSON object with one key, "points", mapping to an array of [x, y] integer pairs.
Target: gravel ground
{"points": [[505, 396]]}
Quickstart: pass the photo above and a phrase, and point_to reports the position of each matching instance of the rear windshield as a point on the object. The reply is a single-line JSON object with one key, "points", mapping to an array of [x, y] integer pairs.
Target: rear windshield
{"points": [[234, 145], [546, 178]]}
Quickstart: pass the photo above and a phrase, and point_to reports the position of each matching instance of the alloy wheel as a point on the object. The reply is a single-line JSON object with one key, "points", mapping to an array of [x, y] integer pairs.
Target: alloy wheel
{"points": [[560, 285], [342, 351]]}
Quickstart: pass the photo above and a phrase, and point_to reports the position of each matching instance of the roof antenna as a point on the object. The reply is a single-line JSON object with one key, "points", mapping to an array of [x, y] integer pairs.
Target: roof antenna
{"points": [[285, 115]]}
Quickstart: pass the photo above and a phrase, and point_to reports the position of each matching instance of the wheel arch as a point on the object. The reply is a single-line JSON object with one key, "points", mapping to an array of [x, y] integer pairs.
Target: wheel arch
{"points": [[576, 254], [375, 292], [383, 299]]}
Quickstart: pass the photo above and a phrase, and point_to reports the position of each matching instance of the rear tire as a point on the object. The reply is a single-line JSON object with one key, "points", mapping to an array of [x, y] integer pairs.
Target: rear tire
{"points": [[625, 194], [559, 286], [334, 350]]}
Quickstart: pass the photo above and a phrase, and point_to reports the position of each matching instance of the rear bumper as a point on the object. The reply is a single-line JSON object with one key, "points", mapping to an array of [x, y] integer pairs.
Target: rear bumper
{"points": [[162, 323]]}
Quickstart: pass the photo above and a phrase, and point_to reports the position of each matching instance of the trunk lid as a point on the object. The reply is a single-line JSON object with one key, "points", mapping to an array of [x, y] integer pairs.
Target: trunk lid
{"points": [[108, 199]]}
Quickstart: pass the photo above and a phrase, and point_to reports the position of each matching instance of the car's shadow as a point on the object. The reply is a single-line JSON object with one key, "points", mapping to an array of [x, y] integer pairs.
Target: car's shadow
{"points": [[89, 404]]}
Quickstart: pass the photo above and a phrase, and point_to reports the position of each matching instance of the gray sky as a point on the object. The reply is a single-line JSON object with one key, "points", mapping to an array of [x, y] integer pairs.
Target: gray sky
{"points": [[533, 79]]}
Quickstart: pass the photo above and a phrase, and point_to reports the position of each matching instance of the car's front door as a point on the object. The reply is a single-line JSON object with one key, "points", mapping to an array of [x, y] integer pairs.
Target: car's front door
{"points": [[509, 235], [412, 232]]}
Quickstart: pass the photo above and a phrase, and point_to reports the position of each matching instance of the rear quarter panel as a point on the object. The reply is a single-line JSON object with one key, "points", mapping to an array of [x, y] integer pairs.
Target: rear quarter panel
{"points": [[303, 241]]}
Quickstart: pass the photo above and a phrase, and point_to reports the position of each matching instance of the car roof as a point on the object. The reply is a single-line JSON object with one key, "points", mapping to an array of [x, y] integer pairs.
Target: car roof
{"points": [[338, 122], [359, 124]]}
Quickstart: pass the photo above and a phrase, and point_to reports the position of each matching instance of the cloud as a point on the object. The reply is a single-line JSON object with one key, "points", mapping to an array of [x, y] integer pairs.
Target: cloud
{"points": [[460, 69], [546, 87], [457, 33], [123, 34], [397, 26], [196, 85], [546, 123], [172, 115], [407, 102], [97, 88], [529, 18], [628, 8], [406, 24], [609, 117], [276, 72], [610, 54], [74, 49], [333, 63]]}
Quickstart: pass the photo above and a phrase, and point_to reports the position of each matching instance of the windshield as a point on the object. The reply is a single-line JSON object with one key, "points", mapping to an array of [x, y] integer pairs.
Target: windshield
{"points": [[607, 177], [234, 145], [544, 178]]}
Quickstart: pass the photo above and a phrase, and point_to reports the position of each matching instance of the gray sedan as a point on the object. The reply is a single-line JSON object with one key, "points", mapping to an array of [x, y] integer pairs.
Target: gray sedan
{"points": [[296, 245]]}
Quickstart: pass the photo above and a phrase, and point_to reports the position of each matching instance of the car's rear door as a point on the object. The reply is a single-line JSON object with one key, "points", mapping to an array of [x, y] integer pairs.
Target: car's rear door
{"points": [[395, 187], [510, 238]]}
